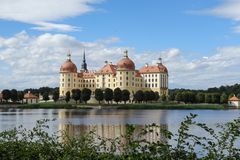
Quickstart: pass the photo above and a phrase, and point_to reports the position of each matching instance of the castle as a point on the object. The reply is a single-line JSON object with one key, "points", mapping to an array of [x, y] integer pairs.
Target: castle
{"points": [[123, 75]]}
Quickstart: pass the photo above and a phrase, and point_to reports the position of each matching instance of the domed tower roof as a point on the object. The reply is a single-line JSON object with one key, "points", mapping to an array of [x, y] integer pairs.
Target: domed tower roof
{"points": [[125, 63], [159, 68], [68, 66]]}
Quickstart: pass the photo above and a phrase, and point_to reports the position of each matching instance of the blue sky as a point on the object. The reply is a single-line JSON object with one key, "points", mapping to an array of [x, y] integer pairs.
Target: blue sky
{"points": [[194, 37]]}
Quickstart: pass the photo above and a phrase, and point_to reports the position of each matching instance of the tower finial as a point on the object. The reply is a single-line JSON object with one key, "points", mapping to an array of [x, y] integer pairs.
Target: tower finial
{"points": [[69, 55], [159, 61], [126, 53]]}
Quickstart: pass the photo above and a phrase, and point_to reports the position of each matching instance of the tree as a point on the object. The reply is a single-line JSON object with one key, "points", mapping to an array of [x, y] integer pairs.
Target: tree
{"points": [[156, 96], [55, 95], [152, 96], [178, 97], [42, 90], [200, 97], [20, 96], [14, 95], [146, 96], [45, 96], [108, 94], [139, 95], [99, 95], [231, 95], [86, 95], [76, 94], [125, 95], [68, 96], [163, 97], [171, 96], [224, 98], [215, 98], [208, 98], [238, 95], [6, 94], [117, 95]]}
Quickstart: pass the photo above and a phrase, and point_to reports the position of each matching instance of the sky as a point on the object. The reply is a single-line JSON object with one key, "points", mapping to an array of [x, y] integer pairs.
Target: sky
{"points": [[198, 40]]}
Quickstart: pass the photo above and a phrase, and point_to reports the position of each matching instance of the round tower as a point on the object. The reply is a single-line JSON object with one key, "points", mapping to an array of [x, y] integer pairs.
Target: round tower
{"points": [[68, 76]]}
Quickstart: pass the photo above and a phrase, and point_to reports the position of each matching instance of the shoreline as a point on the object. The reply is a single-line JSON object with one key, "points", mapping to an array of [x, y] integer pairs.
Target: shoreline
{"points": [[142, 106]]}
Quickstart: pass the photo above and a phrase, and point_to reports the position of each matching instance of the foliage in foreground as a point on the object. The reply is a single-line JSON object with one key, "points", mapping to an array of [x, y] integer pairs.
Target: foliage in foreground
{"points": [[20, 143]]}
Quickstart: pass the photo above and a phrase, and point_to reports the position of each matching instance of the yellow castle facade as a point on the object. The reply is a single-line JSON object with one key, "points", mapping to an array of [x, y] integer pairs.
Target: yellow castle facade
{"points": [[123, 75]]}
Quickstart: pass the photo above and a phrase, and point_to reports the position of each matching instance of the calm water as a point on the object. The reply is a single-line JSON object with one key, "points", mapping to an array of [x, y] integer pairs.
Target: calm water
{"points": [[109, 122]]}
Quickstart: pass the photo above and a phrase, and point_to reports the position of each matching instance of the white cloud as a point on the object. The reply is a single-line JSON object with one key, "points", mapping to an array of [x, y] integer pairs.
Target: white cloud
{"points": [[45, 26], [34, 61], [44, 12], [228, 9]]}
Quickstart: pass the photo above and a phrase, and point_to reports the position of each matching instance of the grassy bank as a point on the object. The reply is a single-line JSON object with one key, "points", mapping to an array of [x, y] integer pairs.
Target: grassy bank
{"points": [[52, 105], [170, 106], [61, 105]]}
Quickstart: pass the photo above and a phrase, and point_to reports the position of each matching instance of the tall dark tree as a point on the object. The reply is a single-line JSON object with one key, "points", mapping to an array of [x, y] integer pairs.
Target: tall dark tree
{"points": [[172, 96], [125, 95], [20, 96], [14, 95], [224, 98], [157, 96], [146, 96], [67, 97], [216, 98], [178, 97], [42, 90], [76, 94], [86, 95], [152, 96], [208, 98], [45, 96], [6, 94], [200, 97], [139, 96], [163, 98], [230, 95], [238, 95], [117, 95], [108, 95], [99, 95], [55, 96]]}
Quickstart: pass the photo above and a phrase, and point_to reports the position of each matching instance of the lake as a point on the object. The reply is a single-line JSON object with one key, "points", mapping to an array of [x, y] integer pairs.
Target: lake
{"points": [[110, 123]]}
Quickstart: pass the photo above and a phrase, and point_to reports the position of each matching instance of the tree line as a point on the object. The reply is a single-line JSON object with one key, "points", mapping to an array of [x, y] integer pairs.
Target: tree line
{"points": [[200, 96], [18, 95], [117, 95], [12, 95]]}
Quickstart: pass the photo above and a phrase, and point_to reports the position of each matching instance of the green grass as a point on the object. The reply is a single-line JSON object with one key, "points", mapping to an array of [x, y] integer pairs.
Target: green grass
{"points": [[72, 105], [52, 105], [170, 106]]}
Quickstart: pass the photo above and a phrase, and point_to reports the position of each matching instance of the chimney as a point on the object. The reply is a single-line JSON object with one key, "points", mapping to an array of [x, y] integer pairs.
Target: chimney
{"points": [[106, 62], [146, 64]]}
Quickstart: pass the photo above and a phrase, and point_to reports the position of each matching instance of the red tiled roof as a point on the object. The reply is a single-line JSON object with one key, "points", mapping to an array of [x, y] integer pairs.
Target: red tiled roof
{"points": [[109, 68], [154, 69], [88, 75], [138, 74], [29, 95], [234, 98]]}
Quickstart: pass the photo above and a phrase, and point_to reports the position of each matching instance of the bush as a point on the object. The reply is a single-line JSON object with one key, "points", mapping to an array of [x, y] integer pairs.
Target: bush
{"points": [[37, 144]]}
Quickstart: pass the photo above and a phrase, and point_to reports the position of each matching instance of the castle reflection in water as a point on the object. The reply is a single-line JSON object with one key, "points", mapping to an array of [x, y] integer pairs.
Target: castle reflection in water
{"points": [[106, 127]]}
